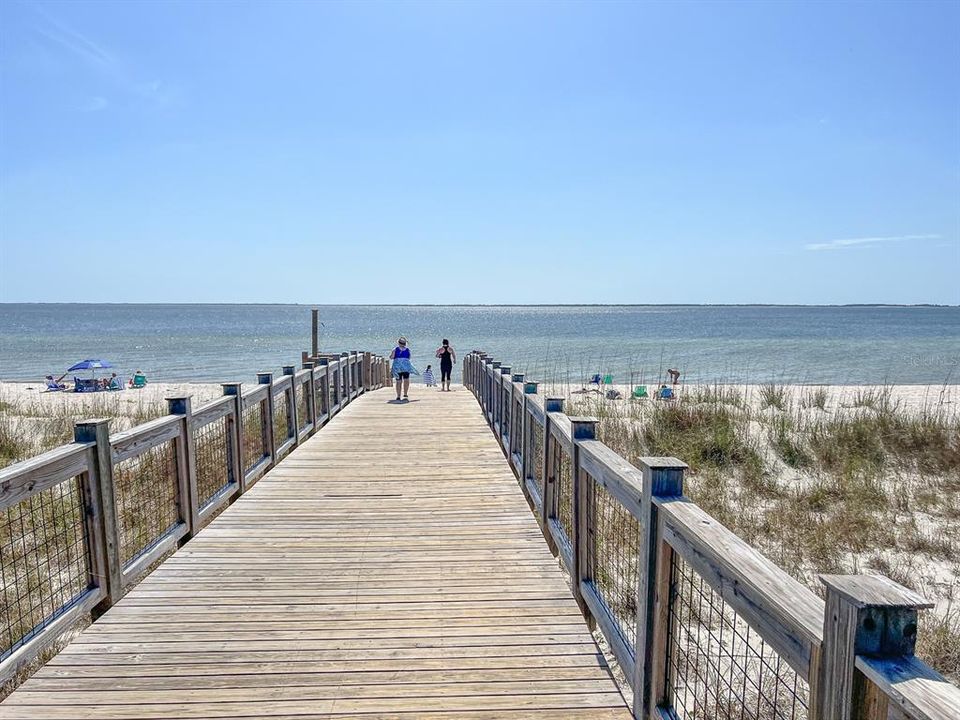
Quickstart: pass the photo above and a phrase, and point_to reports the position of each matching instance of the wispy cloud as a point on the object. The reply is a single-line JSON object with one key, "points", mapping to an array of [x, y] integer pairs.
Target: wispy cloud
{"points": [[99, 59], [865, 242], [94, 104]]}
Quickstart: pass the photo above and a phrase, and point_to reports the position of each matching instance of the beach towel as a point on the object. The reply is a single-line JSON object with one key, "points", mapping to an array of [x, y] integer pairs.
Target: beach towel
{"points": [[403, 365], [428, 377]]}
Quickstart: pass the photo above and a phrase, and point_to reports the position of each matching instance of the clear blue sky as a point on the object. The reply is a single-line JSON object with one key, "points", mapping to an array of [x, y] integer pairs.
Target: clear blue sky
{"points": [[480, 152]]}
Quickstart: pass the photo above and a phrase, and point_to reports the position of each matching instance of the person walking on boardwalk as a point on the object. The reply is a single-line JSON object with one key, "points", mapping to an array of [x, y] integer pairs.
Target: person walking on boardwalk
{"points": [[402, 367], [447, 357]]}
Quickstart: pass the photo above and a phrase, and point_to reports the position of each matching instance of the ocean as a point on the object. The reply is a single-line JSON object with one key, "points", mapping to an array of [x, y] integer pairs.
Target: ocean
{"points": [[219, 343]]}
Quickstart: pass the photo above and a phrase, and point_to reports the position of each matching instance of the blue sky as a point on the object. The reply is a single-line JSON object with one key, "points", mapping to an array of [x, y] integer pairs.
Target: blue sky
{"points": [[480, 152]]}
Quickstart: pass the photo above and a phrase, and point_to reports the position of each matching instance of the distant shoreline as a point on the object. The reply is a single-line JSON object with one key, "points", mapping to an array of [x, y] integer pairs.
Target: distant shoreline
{"points": [[496, 305]]}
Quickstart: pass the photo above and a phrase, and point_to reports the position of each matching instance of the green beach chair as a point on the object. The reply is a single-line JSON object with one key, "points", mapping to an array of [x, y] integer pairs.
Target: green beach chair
{"points": [[608, 379], [139, 381], [640, 391]]}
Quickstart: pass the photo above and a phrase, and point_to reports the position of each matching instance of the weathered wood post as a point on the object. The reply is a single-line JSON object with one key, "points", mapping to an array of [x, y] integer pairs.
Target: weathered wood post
{"points": [[367, 372], [311, 399], [505, 393], [325, 384], [584, 516], [494, 393], [345, 396], [548, 501], [864, 615], [315, 332], [266, 409], [293, 420], [186, 453], [235, 437], [102, 512], [662, 477], [526, 454], [487, 372], [516, 422]]}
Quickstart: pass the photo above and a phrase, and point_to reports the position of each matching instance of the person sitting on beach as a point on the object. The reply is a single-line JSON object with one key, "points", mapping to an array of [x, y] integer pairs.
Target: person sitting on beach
{"points": [[116, 383], [53, 385], [665, 393], [138, 380], [674, 376], [428, 377]]}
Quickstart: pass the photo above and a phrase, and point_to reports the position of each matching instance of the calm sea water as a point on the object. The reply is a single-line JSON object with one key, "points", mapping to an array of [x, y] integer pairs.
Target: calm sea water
{"points": [[707, 343]]}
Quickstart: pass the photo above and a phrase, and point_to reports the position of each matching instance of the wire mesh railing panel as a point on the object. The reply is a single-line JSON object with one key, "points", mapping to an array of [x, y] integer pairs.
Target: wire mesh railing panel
{"points": [[515, 437], [44, 561], [303, 410], [334, 387], [536, 447], [718, 667], [563, 482], [321, 396], [281, 419], [254, 449], [506, 405], [146, 492], [212, 452], [615, 559]]}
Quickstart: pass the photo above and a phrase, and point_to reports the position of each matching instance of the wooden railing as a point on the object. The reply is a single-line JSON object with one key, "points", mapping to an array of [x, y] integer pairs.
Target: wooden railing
{"points": [[701, 624], [80, 524]]}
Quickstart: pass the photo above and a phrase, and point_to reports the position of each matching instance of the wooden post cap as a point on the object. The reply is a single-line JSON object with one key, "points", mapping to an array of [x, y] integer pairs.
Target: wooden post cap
{"points": [[504, 369], [231, 388], [264, 378], [530, 387], [553, 404], [179, 405], [86, 430], [289, 369], [886, 613], [583, 428], [517, 377]]}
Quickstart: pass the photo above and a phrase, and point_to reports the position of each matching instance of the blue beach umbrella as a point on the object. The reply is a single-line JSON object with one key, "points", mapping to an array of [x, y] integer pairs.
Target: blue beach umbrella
{"points": [[90, 365]]}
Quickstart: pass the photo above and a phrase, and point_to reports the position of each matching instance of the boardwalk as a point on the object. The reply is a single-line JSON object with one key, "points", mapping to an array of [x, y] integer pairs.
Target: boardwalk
{"points": [[389, 568]]}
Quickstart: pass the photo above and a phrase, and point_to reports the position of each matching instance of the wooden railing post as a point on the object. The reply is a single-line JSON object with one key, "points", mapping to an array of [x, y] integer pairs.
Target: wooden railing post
{"points": [[292, 412], [584, 517], [516, 420], [662, 477], [235, 437], [864, 615], [526, 454], [186, 466], [494, 393], [266, 378], [367, 377], [311, 399], [345, 379], [504, 404], [549, 499], [102, 512]]}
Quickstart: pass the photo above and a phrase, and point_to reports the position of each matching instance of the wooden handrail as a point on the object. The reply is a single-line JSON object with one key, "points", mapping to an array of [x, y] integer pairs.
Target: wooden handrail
{"points": [[789, 617], [91, 459]]}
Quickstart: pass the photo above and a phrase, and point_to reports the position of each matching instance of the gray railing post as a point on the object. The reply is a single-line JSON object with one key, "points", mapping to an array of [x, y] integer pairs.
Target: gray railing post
{"points": [[293, 419], [494, 393], [662, 477], [516, 420], [526, 456], [266, 378], [345, 379], [548, 501], [186, 466], [505, 396], [584, 516], [102, 513], [235, 437], [325, 371], [367, 372], [864, 615], [312, 412]]}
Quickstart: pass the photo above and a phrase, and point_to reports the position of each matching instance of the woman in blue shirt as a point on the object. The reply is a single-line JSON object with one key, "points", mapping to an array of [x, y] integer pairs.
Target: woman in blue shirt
{"points": [[402, 367]]}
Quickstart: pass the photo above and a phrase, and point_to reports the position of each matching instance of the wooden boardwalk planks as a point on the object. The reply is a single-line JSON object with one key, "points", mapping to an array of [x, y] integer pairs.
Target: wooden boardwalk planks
{"points": [[388, 568]]}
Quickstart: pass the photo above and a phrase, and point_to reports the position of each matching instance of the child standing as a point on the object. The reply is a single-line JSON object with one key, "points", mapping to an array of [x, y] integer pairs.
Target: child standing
{"points": [[428, 377]]}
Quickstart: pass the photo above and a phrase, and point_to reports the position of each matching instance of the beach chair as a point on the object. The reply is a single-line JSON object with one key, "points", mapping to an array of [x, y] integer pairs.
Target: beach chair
{"points": [[639, 392], [85, 385], [666, 393], [138, 382], [53, 385], [116, 383], [608, 379]]}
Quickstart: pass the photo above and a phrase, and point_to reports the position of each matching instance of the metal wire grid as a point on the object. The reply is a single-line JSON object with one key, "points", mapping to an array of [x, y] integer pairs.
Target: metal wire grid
{"points": [[718, 667], [303, 400], [44, 561], [212, 451], [281, 419], [254, 449], [321, 396], [563, 482], [615, 559], [515, 437], [334, 387], [146, 497], [536, 447], [505, 412]]}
